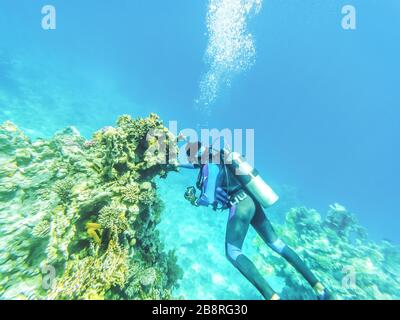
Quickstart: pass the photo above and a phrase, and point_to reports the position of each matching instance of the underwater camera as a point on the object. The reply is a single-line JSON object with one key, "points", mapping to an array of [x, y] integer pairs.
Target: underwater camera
{"points": [[190, 195]]}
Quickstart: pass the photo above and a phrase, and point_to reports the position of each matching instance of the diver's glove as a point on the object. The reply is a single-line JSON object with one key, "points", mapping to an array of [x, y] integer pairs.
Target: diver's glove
{"points": [[190, 195], [322, 292]]}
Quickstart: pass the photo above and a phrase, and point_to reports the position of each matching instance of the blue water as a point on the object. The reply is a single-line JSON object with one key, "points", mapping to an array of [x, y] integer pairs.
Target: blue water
{"points": [[324, 102]]}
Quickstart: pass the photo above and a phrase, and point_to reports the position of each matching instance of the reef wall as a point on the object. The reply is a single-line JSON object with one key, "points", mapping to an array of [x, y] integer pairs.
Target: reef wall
{"points": [[338, 250], [78, 218]]}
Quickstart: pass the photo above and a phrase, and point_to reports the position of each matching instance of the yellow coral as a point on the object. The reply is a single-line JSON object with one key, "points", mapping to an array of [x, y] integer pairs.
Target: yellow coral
{"points": [[93, 295], [113, 217], [92, 225], [91, 230], [91, 277]]}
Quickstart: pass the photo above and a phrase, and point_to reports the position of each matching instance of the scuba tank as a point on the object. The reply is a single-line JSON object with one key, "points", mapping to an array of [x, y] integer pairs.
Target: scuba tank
{"points": [[249, 178]]}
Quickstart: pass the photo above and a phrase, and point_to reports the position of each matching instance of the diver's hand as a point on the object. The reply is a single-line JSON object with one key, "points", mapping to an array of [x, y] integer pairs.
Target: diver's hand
{"points": [[190, 195], [181, 137]]}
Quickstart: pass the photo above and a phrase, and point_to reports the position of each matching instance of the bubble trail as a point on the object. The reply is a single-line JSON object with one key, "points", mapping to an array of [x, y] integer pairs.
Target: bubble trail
{"points": [[231, 49]]}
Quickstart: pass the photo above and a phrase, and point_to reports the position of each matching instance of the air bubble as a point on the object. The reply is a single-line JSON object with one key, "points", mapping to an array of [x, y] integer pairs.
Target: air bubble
{"points": [[231, 48]]}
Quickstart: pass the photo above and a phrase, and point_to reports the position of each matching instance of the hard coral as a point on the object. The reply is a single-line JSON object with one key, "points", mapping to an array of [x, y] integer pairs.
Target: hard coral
{"points": [[92, 277], [113, 217], [42, 229], [337, 250], [62, 190], [131, 193]]}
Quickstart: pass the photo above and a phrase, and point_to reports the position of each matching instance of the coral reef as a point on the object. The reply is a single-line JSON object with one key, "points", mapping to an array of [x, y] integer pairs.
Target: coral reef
{"points": [[78, 220], [113, 217], [63, 189], [87, 210], [338, 250]]}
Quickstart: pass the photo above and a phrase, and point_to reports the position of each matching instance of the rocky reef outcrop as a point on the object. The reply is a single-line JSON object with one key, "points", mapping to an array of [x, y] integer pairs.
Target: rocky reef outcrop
{"points": [[78, 218], [340, 253]]}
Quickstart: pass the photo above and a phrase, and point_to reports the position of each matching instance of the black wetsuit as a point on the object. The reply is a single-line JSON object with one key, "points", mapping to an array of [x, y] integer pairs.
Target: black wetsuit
{"points": [[220, 188]]}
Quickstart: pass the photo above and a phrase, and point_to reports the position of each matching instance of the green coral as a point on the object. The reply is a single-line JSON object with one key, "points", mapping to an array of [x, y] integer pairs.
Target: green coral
{"points": [[147, 194], [343, 222], [113, 217], [148, 277], [129, 148], [135, 194], [92, 277], [334, 248], [63, 189], [131, 193], [88, 208], [61, 234], [42, 229]]}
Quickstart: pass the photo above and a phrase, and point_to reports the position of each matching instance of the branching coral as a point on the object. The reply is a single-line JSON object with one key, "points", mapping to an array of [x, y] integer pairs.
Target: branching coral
{"points": [[63, 188], [147, 194], [91, 277], [135, 194], [113, 217], [42, 229], [131, 193]]}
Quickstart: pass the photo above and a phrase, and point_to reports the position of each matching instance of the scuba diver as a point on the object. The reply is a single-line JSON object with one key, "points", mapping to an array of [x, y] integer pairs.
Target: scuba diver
{"points": [[231, 183]]}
